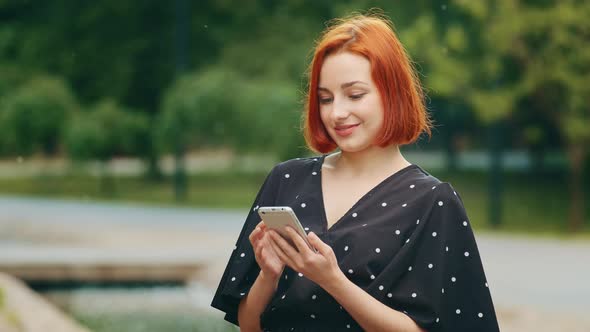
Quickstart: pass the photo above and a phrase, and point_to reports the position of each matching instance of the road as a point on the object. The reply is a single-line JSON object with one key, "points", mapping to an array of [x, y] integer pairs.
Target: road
{"points": [[540, 275]]}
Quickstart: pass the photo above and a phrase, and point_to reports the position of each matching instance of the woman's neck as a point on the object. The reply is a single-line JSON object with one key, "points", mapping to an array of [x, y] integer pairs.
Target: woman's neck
{"points": [[375, 160]]}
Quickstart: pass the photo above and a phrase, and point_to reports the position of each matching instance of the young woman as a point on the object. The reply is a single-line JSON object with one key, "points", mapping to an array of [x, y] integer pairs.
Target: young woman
{"points": [[396, 251]]}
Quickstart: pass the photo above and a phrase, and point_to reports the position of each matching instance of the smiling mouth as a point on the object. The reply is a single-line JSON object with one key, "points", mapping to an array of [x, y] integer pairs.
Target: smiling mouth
{"points": [[345, 130], [345, 127]]}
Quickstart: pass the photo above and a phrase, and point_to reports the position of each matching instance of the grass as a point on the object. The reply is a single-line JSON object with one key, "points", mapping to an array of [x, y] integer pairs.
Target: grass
{"points": [[532, 205]]}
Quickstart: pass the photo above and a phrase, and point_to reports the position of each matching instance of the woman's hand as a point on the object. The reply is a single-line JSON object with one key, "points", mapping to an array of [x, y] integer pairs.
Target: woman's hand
{"points": [[320, 267], [266, 257]]}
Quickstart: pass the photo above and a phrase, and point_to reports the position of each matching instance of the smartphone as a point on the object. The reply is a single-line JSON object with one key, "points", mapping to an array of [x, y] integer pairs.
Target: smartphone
{"points": [[277, 217]]}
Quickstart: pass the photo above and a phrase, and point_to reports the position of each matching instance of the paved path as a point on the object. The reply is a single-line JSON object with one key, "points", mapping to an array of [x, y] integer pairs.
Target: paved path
{"points": [[534, 276]]}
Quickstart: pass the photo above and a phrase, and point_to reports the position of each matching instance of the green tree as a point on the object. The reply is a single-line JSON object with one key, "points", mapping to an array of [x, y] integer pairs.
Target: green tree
{"points": [[493, 55], [192, 116], [33, 118], [106, 131]]}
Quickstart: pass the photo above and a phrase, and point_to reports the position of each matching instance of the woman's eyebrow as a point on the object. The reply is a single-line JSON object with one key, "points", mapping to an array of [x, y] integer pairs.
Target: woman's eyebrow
{"points": [[344, 85]]}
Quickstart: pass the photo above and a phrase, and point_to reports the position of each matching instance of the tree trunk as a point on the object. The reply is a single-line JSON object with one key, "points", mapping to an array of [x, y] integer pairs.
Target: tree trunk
{"points": [[495, 184], [106, 182], [576, 154]]}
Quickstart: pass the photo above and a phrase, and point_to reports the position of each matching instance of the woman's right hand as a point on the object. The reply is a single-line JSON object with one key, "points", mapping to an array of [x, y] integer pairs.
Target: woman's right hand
{"points": [[270, 264]]}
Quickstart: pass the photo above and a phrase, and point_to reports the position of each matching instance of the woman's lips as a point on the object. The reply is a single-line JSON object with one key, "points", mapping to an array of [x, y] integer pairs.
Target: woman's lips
{"points": [[344, 131]]}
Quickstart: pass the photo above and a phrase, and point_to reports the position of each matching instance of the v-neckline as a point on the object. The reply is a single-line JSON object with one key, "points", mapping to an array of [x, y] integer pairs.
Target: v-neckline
{"points": [[362, 198]]}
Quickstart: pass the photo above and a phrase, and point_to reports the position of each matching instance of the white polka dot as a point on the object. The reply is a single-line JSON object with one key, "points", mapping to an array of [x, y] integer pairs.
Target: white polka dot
{"points": [[433, 234], [410, 268], [350, 271], [433, 187], [437, 319], [300, 274], [458, 311], [440, 203], [287, 176], [256, 207], [404, 205], [312, 316], [486, 284], [430, 266], [381, 287], [454, 192], [303, 205], [347, 326], [480, 315], [242, 254], [364, 225], [453, 279], [286, 276], [397, 232], [466, 254], [443, 291], [346, 248], [377, 250], [465, 223], [313, 297], [414, 295], [315, 159], [314, 173], [283, 297], [384, 204], [306, 229], [233, 279], [354, 215], [446, 248], [418, 222], [372, 277], [412, 186], [242, 294], [389, 295], [408, 240]]}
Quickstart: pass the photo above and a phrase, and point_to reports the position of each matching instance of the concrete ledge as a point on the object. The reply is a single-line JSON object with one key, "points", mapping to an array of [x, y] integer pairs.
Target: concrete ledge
{"points": [[105, 265], [22, 310]]}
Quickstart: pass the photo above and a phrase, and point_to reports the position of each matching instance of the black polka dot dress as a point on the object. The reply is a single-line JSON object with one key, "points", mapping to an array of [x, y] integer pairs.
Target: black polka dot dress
{"points": [[407, 242]]}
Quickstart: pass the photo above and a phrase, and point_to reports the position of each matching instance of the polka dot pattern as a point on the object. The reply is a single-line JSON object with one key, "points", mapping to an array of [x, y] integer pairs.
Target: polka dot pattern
{"points": [[429, 215]]}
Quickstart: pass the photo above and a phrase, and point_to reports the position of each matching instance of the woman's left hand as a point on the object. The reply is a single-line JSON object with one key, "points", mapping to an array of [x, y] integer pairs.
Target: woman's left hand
{"points": [[321, 267]]}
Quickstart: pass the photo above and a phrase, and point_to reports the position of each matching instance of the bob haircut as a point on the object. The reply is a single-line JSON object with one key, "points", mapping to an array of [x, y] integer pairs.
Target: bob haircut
{"points": [[372, 36]]}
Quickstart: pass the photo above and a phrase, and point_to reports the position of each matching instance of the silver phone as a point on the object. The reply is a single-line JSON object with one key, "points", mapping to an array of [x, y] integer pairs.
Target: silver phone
{"points": [[277, 217]]}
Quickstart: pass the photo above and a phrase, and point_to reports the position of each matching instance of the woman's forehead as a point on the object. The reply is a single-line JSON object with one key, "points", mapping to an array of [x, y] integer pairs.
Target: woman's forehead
{"points": [[342, 68]]}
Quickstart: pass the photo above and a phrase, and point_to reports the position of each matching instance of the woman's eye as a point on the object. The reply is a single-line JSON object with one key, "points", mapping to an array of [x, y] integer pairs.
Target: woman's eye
{"points": [[324, 101], [356, 96]]}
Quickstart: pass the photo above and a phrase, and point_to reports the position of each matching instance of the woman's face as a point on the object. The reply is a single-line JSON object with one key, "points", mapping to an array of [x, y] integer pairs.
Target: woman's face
{"points": [[350, 104]]}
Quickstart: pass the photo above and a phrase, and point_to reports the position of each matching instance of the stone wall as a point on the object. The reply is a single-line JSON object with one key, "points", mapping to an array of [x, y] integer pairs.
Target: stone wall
{"points": [[22, 310]]}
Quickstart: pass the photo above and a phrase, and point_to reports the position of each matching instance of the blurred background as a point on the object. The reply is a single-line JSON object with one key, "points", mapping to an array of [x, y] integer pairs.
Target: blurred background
{"points": [[135, 135]]}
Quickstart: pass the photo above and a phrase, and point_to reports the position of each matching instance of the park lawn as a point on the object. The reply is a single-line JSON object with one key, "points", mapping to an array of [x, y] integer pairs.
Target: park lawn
{"points": [[532, 204]]}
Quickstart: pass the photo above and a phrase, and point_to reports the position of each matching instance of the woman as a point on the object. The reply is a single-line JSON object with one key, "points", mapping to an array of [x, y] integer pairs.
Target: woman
{"points": [[395, 248]]}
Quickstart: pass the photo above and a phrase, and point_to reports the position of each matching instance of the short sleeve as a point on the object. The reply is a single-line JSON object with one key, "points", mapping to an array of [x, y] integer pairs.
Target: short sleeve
{"points": [[242, 270], [443, 285]]}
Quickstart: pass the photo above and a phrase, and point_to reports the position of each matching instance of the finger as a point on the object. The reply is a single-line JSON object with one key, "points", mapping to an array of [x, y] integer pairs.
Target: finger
{"points": [[280, 253], [253, 234], [321, 246], [301, 245], [283, 244]]}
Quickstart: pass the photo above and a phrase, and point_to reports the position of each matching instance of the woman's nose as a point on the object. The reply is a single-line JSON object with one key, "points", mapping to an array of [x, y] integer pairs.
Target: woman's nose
{"points": [[340, 109]]}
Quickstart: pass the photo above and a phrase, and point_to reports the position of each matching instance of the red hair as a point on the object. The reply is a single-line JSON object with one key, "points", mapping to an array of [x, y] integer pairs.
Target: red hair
{"points": [[405, 115]]}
